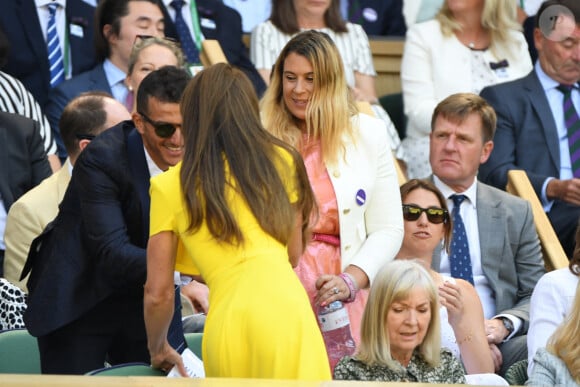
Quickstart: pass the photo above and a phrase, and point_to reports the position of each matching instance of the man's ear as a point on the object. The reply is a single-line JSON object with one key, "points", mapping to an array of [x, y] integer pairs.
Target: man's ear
{"points": [[83, 144], [486, 152], [138, 121]]}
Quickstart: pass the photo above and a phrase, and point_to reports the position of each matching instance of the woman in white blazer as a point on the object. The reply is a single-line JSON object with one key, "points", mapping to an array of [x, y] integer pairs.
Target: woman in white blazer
{"points": [[358, 226], [469, 45]]}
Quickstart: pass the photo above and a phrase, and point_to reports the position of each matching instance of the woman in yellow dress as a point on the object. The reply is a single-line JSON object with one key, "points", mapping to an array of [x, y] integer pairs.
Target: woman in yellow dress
{"points": [[238, 206]]}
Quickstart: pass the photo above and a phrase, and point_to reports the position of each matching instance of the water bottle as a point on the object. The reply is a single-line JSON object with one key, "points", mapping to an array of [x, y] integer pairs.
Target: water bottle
{"points": [[335, 327]]}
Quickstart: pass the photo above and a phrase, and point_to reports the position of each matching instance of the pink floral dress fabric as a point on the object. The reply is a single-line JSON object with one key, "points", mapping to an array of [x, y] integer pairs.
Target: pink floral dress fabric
{"points": [[320, 257]]}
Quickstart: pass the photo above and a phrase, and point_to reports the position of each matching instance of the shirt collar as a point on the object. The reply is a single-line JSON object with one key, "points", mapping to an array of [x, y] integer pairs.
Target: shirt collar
{"points": [[470, 192], [113, 73], [44, 3], [154, 170], [546, 82], [167, 3]]}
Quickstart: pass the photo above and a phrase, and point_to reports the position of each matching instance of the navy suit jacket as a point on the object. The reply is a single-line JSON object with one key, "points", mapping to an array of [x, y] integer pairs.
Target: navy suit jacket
{"points": [[60, 96], [380, 17], [23, 162], [95, 247], [228, 32], [28, 58], [526, 136]]}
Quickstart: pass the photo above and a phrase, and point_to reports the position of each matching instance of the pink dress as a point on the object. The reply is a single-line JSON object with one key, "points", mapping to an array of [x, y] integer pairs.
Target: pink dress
{"points": [[321, 257]]}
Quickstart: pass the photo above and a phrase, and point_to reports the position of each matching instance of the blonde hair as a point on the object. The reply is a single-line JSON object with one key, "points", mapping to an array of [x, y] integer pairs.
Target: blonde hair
{"points": [[394, 282], [147, 41], [330, 108], [565, 341], [499, 17]]}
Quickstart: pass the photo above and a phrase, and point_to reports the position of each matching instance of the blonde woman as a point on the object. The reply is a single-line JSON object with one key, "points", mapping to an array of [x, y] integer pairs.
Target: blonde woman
{"points": [[400, 336], [359, 222], [469, 45], [559, 363]]}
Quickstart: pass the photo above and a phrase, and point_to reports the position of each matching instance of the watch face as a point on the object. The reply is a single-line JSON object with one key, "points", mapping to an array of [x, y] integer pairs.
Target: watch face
{"points": [[507, 323]]}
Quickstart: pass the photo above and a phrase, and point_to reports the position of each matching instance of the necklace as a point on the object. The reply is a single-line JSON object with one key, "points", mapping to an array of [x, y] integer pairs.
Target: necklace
{"points": [[471, 45]]}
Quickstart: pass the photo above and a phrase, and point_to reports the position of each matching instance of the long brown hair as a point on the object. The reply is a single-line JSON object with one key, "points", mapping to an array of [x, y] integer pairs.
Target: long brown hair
{"points": [[284, 18], [227, 149]]}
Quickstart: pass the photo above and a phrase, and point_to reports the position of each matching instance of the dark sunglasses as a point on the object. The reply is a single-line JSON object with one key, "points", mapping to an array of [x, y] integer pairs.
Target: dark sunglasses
{"points": [[162, 129], [435, 215]]}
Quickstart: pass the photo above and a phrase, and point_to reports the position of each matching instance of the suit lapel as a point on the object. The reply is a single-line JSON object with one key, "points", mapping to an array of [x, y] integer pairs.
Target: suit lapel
{"points": [[26, 11], [539, 102], [491, 232], [140, 176], [5, 191]]}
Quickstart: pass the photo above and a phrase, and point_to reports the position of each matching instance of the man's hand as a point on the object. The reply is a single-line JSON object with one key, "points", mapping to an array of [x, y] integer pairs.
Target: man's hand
{"points": [[496, 357], [565, 190], [495, 331]]}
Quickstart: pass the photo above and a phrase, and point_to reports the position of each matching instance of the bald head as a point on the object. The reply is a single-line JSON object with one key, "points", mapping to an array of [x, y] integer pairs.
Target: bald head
{"points": [[85, 117]]}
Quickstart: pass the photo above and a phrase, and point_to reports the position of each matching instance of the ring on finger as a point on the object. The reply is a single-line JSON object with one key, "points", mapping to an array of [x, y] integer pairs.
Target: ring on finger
{"points": [[335, 290]]}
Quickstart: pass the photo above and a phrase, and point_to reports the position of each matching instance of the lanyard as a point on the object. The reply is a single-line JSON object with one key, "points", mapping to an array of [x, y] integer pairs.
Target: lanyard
{"points": [[195, 24]]}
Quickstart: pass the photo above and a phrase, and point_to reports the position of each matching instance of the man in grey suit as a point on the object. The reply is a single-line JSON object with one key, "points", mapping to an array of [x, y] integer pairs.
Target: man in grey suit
{"points": [[504, 250], [531, 132]]}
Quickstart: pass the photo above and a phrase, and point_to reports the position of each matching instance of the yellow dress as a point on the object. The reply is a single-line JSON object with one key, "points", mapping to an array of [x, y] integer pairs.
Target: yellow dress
{"points": [[260, 324]]}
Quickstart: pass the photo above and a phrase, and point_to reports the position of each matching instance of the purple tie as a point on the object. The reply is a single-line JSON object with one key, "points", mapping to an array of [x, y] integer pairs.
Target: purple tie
{"points": [[573, 127]]}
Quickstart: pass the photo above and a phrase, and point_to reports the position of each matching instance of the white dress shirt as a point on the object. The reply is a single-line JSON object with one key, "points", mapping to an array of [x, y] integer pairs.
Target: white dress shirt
{"points": [[468, 212]]}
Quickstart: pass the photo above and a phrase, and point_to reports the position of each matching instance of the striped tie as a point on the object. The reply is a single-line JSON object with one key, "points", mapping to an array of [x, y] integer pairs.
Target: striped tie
{"points": [[55, 59], [573, 127]]}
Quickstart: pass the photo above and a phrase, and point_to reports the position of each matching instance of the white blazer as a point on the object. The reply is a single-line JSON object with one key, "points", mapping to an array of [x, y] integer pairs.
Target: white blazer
{"points": [[369, 203]]}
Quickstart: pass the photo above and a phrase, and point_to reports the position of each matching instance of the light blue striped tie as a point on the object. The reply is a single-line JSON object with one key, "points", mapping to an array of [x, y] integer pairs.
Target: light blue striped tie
{"points": [[55, 59]]}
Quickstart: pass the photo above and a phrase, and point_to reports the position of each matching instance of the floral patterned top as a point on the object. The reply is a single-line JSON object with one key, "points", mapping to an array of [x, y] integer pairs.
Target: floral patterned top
{"points": [[449, 370]]}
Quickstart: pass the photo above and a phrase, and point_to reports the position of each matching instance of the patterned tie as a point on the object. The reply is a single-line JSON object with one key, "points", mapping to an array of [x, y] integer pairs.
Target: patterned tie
{"points": [[572, 125], [459, 258], [55, 59], [187, 44]]}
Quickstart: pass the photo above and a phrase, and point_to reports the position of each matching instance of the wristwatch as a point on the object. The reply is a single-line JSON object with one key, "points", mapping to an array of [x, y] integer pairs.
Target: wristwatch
{"points": [[508, 324]]}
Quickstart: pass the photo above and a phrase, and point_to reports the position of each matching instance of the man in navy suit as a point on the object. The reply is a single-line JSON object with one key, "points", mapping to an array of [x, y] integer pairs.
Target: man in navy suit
{"points": [[28, 59], [223, 24], [531, 130], [384, 17], [117, 24], [89, 265], [23, 164]]}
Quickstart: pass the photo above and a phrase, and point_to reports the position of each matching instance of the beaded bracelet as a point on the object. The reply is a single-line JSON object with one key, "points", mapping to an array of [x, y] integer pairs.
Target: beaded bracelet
{"points": [[349, 281]]}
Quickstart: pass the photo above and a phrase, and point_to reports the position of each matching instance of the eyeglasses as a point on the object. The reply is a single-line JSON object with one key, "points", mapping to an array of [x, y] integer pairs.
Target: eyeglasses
{"points": [[140, 38], [162, 129], [81, 136], [435, 215]]}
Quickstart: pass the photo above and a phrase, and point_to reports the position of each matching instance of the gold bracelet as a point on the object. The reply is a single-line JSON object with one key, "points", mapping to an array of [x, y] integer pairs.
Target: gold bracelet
{"points": [[465, 339]]}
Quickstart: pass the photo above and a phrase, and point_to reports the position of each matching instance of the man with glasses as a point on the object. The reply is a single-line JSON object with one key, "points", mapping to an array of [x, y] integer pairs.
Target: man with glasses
{"points": [[83, 118], [89, 265], [494, 245], [117, 23]]}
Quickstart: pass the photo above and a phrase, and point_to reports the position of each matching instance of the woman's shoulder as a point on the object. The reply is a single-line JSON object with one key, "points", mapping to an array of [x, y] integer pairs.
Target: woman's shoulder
{"points": [[168, 179], [350, 368], [427, 27]]}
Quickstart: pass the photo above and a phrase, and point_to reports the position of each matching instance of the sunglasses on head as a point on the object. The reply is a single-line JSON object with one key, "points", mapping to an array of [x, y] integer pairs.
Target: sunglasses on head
{"points": [[162, 129], [435, 215]]}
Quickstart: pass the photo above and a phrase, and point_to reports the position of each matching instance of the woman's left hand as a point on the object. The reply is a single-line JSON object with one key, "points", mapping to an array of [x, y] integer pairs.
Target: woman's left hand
{"points": [[452, 298], [330, 288], [166, 359]]}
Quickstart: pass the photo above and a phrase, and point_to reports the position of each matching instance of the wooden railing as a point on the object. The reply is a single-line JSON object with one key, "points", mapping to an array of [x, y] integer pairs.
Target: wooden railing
{"points": [[554, 255]]}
